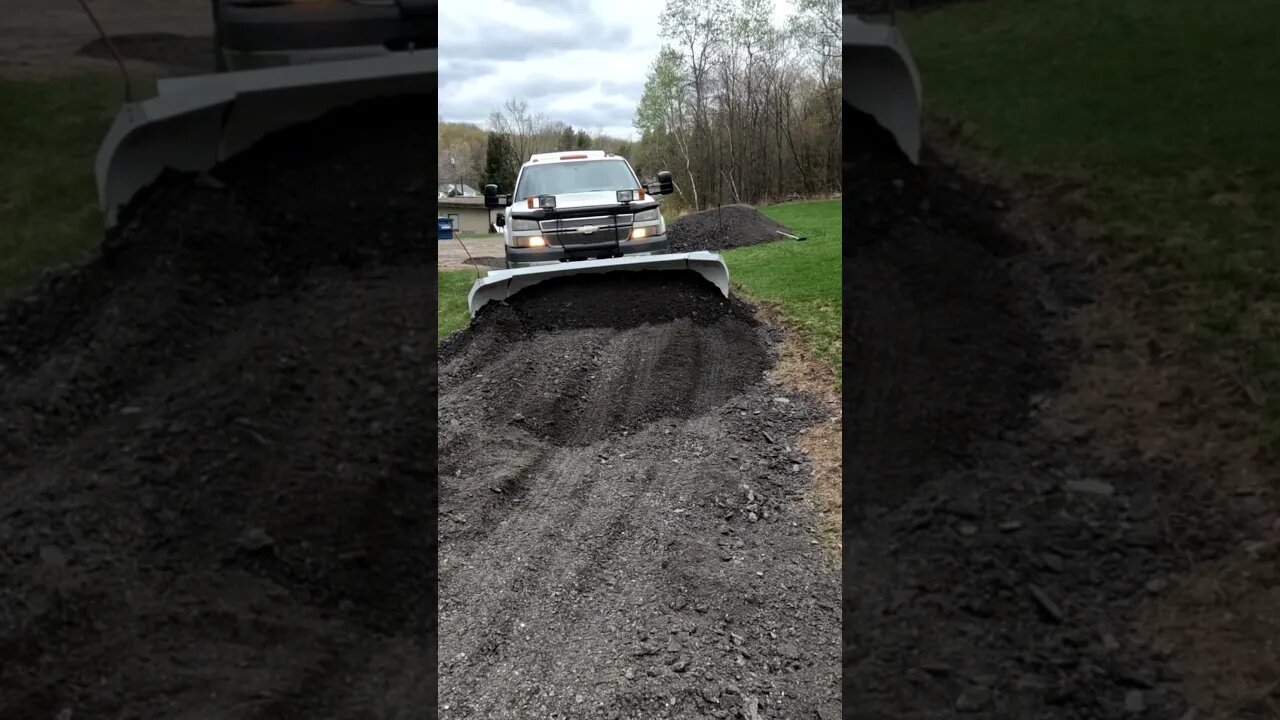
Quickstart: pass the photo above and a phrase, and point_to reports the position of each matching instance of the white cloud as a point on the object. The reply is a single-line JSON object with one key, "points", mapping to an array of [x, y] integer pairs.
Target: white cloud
{"points": [[579, 61]]}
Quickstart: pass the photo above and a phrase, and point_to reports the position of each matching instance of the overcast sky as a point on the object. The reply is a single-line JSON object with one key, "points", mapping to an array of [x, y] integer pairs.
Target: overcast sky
{"points": [[582, 62]]}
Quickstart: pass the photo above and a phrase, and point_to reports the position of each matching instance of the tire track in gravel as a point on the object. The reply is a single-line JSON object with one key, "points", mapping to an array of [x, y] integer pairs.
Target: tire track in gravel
{"points": [[637, 577], [538, 524]]}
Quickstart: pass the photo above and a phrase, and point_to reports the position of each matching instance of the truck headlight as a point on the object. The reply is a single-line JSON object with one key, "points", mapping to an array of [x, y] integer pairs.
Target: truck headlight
{"points": [[528, 241], [650, 215], [523, 225]]}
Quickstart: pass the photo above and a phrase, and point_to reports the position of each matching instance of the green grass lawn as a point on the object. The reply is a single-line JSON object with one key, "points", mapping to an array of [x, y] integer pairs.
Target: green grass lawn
{"points": [[800, 279], [49, 136], [1170, 121], [452, 314]]}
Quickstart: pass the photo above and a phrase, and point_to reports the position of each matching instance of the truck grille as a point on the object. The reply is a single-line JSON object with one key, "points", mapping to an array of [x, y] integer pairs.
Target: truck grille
{"points": [[565, 232], [604, 222]]}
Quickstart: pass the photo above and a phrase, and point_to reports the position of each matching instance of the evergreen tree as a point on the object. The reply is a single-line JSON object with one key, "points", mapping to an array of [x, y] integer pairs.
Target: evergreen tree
{"points": [[566, 141], [499, 162]]}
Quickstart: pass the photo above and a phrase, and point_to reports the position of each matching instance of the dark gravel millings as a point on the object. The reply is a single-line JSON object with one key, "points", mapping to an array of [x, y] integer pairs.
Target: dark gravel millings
{"points": [[724, 228], [621, 535], [990, 570], [216, 475]]}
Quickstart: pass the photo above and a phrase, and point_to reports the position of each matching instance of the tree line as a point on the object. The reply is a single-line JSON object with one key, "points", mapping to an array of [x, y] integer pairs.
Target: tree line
{"points": [[740, 110]]}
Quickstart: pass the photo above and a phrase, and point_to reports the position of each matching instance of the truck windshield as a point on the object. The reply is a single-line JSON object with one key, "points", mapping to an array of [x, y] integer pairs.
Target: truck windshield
{"points": [[574, 177]]}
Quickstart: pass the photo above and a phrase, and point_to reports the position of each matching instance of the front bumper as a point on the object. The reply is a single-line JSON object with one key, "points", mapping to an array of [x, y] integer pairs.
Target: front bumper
{"points": [[521, 257]]}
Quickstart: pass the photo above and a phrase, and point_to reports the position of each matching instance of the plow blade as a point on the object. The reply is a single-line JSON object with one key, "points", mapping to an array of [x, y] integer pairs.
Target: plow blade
{"points": [[881, 80], [498, 285], [196, 122]]}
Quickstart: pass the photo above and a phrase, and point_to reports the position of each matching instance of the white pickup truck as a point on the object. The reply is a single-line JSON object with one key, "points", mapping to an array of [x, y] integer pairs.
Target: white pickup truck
{"points": [[580, 205]]}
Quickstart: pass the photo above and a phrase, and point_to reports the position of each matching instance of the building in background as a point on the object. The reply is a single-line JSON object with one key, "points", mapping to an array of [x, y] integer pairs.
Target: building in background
{"points": [[468, 213], [463, 189]]}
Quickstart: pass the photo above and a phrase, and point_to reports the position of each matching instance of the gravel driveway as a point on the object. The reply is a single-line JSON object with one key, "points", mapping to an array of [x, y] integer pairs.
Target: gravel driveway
{"points": [[625, 530]]}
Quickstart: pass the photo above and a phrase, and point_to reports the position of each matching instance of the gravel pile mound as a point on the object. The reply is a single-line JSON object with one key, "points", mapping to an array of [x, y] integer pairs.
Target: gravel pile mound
{"points": [[216, 474], [724, 228], [990, 569]]}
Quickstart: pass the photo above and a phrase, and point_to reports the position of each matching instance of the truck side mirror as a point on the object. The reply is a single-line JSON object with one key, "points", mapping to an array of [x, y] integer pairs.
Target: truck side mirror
{"points": [[491, 197], [666, 185]]}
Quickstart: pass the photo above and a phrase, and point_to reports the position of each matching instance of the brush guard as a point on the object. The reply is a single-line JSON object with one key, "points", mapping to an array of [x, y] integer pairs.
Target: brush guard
{"points": [[575, 237]]}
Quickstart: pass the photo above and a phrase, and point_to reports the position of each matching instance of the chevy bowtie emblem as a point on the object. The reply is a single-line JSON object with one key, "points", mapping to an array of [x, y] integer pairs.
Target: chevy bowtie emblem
{"points": [[587, 229]]}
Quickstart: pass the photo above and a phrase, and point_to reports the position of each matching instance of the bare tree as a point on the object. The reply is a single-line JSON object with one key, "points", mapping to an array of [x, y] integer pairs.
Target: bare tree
{"points": [[667, 131], [740, 108], [526, 133]]}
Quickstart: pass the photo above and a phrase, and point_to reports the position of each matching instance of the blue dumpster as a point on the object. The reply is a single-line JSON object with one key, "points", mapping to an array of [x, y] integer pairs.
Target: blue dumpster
{"points": [[444, 228]]}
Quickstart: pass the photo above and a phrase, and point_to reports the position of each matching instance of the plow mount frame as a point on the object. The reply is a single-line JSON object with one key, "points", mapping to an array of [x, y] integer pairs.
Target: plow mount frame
{"points": [[579, 245]]}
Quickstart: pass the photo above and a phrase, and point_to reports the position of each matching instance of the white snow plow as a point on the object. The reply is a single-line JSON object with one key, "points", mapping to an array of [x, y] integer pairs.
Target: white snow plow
{"points": [[881, 79], [498, 285], [194, 123]]}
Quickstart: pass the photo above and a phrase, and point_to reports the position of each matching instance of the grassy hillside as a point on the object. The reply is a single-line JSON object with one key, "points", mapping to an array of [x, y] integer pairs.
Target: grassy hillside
{"points": [[800, 279], [1168, 118]]}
